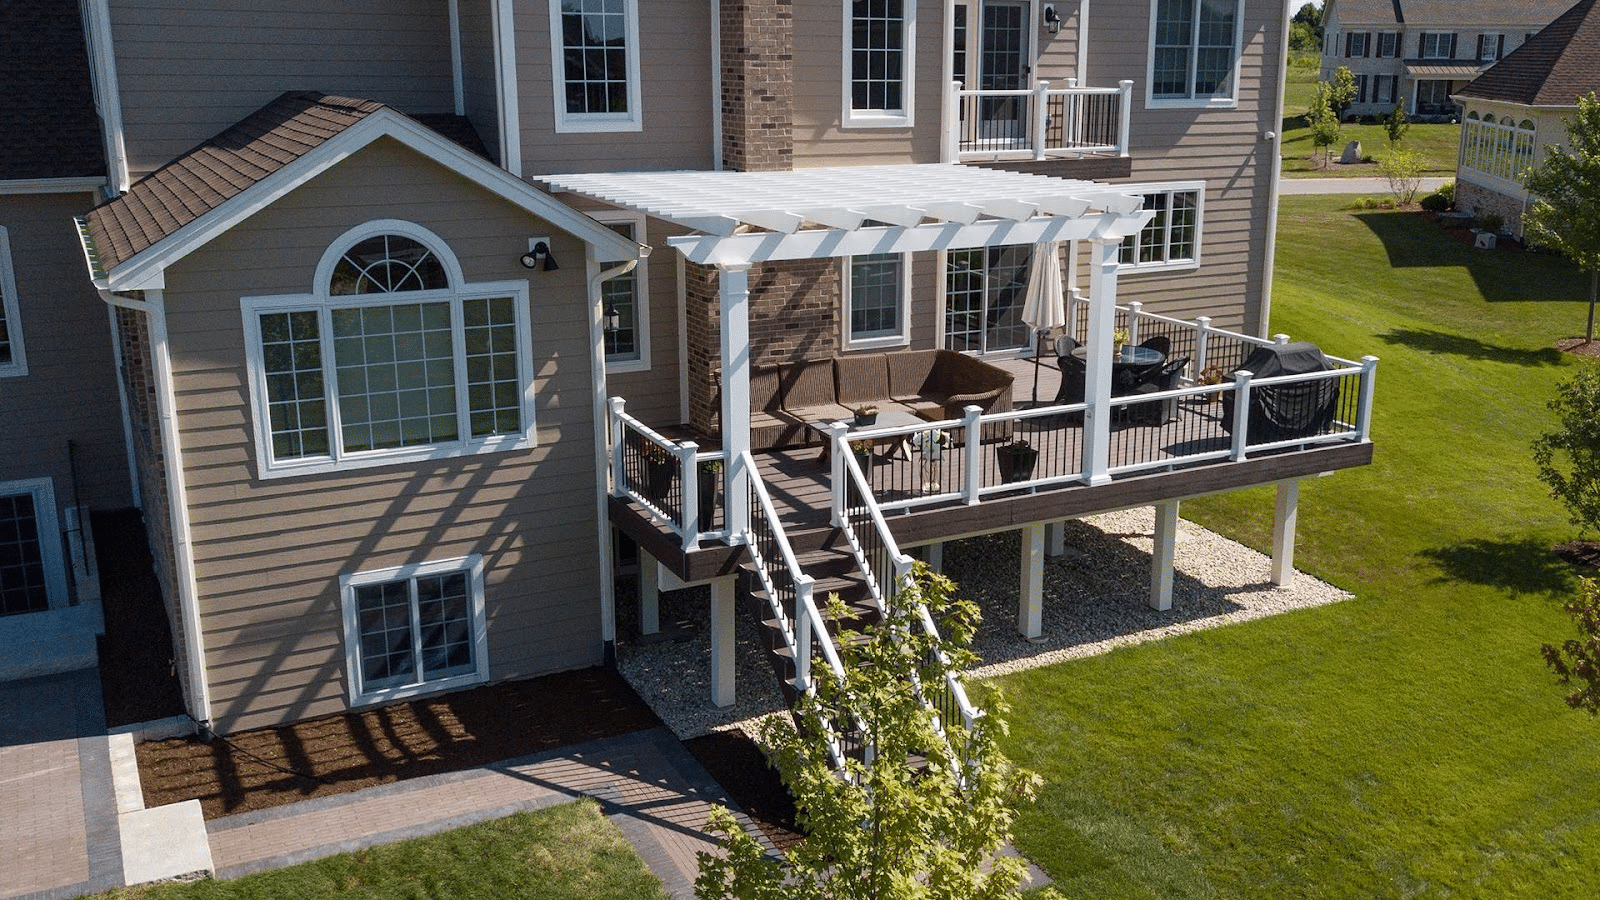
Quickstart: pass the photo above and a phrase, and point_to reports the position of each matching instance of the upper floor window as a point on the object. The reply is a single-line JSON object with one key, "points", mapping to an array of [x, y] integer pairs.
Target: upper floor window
{"points": [[1437, 45], [595, 44], [875, 300], [1171, 239], [1388, 45], [1355, 44], [626, 300], [879, 39], [1491, 47], [391, 358], [1194, 52], [12, 360]]}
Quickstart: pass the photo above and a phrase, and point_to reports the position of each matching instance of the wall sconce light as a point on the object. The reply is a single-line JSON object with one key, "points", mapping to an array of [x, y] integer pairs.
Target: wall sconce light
{"points": [[613, 318], [539, 255], [1052, 19]]}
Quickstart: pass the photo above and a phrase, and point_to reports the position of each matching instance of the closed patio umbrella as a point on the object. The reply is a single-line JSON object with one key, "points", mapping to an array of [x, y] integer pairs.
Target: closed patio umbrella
{"points": [[1045, 305]]}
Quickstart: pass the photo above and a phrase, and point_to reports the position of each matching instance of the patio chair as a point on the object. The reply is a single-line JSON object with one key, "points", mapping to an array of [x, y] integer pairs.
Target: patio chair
{"points": [[1074, 376], [1158, 342], [1065, 344], [1165, 379]]}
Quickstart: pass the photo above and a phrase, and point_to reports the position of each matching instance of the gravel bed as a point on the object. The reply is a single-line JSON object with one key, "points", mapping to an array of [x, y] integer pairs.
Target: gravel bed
{"points": [[1095, 600]]}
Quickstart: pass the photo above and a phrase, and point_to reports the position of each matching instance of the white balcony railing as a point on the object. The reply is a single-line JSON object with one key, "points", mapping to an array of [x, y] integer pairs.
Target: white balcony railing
{"points": [[1036, 123]]}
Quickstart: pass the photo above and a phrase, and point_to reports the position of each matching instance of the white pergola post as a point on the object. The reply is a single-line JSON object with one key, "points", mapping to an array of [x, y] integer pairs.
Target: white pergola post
{"points": [[1283, 525], [1055, 539], [733, 286], [933, 555], [722, 664], [649, 594], [1166, 538], [1097, 383], [1030, 605]]}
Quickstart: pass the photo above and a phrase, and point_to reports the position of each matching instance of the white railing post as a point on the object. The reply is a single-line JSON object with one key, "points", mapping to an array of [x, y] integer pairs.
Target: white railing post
{"points": [[689, 509], [974, 441], [1133, 322], [1241, 413], [1125, 102], [802, 644], [619, 484], [1280, 339], [1041, 113], [838, 447], [1200, 343], [950, 128], [1072, 124], [1369, 378]]}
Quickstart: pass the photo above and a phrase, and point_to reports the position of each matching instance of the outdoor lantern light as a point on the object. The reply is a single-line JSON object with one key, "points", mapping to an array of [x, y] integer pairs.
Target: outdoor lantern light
{"points": [[613, 319], [539, 254], [1052, 20]]}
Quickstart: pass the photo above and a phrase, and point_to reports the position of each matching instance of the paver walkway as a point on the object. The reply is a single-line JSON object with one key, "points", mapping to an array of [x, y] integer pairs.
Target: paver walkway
{"points": [[58, 816]]}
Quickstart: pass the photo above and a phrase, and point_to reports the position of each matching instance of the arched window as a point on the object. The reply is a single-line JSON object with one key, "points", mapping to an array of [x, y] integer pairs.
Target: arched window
{"points": [[385, 264]]}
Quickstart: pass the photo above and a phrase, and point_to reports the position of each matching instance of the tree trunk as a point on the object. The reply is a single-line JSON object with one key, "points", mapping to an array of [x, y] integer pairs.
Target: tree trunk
{"points": [[1594, 288]]}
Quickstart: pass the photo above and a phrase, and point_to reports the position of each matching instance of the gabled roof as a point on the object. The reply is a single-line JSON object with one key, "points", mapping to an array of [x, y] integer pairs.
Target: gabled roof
{"points": [[48, 126], [1445, 13], [1552, 68], [184, 204]]}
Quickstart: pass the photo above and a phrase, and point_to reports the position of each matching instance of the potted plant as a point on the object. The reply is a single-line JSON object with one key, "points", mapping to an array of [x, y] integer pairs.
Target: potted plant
{"points": [[660, 468], [1211, 375], [866, 414], [710, 486], [1119, 337], [1015, 459], [863, 454]]}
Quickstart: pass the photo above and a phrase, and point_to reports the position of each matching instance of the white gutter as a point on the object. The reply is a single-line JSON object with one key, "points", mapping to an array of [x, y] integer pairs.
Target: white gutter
{"points": [[505, 62], [107, 96], [1270, 140], [602, 462], [177, 499]]}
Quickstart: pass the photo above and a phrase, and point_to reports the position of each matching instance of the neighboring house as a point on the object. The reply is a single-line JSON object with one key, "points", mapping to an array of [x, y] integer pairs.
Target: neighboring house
{"points": [[1419, 52], [1513, 113], [400, 366]]}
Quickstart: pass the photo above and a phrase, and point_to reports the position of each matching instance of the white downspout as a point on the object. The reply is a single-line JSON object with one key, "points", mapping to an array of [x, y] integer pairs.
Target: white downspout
{"points": [[1083, 43], [602, 461], [177, 499], [1270, 141], [716, 85]]}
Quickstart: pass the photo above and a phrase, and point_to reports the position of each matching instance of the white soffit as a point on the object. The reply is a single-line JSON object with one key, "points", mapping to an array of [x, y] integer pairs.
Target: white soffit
{"points": [[745, 217]]}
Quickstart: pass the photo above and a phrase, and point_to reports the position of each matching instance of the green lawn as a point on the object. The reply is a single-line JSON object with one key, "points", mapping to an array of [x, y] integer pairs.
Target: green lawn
{"points": [[568, 852], [1438, 144], [1407, 743]]}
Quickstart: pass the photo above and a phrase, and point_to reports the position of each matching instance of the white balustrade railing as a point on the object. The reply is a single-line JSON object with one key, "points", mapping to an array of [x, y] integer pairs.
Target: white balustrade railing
{"points": [[652, 469], [1036, 122]]}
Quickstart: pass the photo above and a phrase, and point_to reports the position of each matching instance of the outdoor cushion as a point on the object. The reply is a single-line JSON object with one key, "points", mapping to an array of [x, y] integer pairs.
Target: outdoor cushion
{"points": [[862, 379], [908, 372], [808, 384]]}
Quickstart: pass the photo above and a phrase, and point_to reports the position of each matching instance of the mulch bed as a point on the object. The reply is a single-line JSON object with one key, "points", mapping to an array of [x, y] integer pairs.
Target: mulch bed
{"points": [[1580, 553], [1578, 346], [735, 761]]}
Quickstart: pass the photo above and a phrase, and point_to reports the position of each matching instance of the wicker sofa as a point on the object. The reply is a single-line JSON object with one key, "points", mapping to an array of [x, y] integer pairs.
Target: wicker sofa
{"points": [[933, 384]]}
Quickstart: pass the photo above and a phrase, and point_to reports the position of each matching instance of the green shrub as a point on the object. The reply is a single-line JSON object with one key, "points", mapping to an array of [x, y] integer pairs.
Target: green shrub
{"points": [[1435, 202], [1488, 221], [1448, 191]]}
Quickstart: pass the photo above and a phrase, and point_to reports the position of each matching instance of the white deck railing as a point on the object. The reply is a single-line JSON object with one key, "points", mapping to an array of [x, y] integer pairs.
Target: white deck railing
{"points": [[1037, 122], [650, 468]]}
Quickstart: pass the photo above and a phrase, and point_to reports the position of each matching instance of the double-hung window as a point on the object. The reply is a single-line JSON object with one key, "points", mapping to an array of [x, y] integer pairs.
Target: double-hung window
{"points": [[879, 39], [1436, 45], [875, 301], [1388, 45], [1194, 54], [32, 573], [414, 629], [626, 300], [595, 49], [1171, 239], [12, 360], [1491, 47], [1355, 44], [393, 358]]}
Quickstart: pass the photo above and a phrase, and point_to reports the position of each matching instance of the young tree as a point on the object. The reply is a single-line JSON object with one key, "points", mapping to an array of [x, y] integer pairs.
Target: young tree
{"points": [[1395, 124], [1566, 214], [1579, 660], [1322, 121], [1305, 29], [888, 831], [1341, 91], [1403, 169], [1568, 459]]}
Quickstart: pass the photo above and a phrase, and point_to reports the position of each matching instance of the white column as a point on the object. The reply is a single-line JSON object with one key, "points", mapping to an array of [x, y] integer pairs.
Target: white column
{"points": [[1097, 383], [1283, 524], [933, 555], [1030, 606], [722, 665], [1055, 539], [649, 594], [733, 286], [1166, 537]]}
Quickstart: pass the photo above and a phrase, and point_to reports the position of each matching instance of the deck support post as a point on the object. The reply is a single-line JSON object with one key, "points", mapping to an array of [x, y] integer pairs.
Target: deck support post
{"points": [[722, 663], [933, 555], [1097, 378], [649, 594], [1166, 538], [1283, 526], [1030, 604], [1055, 539], [733, 287]]}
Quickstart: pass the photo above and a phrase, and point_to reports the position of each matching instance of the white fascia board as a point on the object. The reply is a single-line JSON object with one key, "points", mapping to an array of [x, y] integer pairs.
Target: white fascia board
{"points": [[85, 185], [744, 249], [144, 270]]}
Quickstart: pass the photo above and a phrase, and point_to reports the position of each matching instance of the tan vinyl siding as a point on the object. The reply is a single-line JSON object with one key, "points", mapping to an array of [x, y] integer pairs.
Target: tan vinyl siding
{"points": [[70, 391], [269, 553], [187, 70], [674, 84], [819, 80]]}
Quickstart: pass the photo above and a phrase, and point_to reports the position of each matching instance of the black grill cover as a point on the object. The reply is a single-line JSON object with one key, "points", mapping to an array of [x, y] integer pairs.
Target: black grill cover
{"points": [[1288, 411]]}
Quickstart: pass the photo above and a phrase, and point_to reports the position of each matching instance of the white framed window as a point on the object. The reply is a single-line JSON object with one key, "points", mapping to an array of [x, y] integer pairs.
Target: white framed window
{"points": [[628, 344], [1356, 44], [414, 629], [594, 46], [877, 296], [879, 63], [1171, 239], [391, 358], [1361, 88], [1491, 47], [1437, 45], [13, 361], [1194, 52], [1388, 45], [1383, 88], [33, 575], [985, 290]]}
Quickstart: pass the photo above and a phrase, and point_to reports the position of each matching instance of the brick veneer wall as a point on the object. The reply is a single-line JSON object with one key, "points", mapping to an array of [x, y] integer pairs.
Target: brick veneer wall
{"points": [[1475, 198], [758, 85]]}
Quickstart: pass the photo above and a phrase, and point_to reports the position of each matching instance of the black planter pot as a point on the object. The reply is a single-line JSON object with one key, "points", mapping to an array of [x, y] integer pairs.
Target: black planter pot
{"points": [[1016, 463], [658, 478], [710, 488], [863, 420]]}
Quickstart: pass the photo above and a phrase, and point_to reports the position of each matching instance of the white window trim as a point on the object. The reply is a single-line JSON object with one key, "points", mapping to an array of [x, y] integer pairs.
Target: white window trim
{"points": [[359, 696], [11, 311], [1170, 187], [1378, 44], [881, 118], [1500, 46], [49, 524], [641, 300], [1151, 101], [902, 337], [574, 123], [319, 300]]}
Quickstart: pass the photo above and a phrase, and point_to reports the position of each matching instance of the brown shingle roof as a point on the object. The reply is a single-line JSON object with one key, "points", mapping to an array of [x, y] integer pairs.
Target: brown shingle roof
{"points": [[48, 126], [1415, 13], [1552, 68]]}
